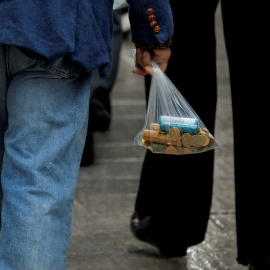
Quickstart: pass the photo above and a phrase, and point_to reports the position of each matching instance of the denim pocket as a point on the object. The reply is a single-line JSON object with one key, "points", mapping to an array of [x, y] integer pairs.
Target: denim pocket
{"points": [[61, 67]]}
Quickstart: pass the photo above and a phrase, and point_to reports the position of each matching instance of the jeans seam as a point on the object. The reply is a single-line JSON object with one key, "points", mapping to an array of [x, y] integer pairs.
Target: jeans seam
{"points": [[60, 73]]}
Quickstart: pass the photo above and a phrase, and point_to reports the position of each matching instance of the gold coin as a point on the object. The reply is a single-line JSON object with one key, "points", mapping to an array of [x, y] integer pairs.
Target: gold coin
{"points": [[194, 140], [179, 150], [175, 134], [186, 139], [199, 140], [170, 150], [155, 126], [206, 139], [202, 133], [206, 130], [209, 142]]}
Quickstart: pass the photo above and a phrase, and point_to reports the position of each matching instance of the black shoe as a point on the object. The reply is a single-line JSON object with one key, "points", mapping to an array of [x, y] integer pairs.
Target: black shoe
{"points": [[141, 229], [264, 264], [88, 151], [259, 267]]}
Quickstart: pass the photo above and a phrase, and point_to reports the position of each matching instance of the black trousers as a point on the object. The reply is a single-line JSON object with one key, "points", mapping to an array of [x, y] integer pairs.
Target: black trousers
{"points": [[100, 101], [176, 191]]}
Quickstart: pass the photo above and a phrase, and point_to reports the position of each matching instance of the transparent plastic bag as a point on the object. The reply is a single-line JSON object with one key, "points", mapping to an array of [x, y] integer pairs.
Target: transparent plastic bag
{"points": [[171, 125]]}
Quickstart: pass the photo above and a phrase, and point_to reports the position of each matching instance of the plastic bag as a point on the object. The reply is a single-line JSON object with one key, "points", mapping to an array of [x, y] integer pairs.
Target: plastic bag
{"points": [[117, 4], [171, 125]]}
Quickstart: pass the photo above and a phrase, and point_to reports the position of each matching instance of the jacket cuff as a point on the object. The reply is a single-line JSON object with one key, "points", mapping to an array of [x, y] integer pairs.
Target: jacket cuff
{"points": [[140, 44]]}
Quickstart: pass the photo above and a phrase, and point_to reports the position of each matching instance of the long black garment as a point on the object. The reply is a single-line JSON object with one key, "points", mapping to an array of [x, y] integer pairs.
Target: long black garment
{"points": [[176, 191], [246, 28]]}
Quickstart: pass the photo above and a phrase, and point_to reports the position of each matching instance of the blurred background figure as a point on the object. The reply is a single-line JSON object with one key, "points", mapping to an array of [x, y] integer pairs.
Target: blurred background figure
{"points": [[174, 197], [100, 103]]}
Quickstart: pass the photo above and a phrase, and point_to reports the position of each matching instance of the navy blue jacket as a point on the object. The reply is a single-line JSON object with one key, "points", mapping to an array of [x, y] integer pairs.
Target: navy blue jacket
{"points": [[82, 29]]}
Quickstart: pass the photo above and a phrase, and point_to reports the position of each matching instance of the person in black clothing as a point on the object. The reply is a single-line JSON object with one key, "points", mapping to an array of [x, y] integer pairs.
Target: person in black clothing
{"points": [[100, 101], [172, 208]]}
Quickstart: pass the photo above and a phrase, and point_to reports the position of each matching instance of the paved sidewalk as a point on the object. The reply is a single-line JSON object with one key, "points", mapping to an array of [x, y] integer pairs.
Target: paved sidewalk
{"points": [[106, 191]]}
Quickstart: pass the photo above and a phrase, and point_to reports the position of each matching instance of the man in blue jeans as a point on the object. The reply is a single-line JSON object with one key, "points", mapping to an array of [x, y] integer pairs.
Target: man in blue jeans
{"points": [[47, 53]]}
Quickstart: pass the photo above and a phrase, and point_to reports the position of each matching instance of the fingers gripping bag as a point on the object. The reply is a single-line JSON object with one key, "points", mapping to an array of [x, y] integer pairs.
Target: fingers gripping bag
{"points": [[171, 125]]}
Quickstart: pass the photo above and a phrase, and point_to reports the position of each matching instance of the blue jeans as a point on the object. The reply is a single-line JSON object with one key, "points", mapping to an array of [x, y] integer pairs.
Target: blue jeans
{"points": [[43, 124]]}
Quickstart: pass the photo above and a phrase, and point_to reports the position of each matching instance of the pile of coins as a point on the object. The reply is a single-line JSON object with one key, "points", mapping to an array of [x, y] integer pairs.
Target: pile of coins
{"points": [[176, 143]]}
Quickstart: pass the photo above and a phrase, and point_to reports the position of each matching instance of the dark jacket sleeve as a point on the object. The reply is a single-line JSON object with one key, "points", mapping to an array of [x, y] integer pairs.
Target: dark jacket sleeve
{"points": [[151, 23]]}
